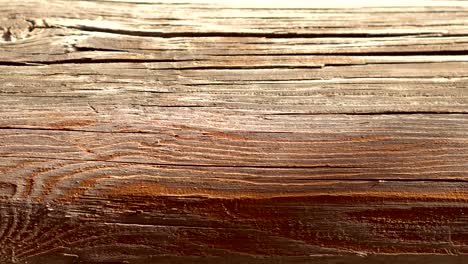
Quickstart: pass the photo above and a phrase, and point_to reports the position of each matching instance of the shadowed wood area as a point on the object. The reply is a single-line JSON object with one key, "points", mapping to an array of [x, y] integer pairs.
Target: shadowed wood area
{"points": [[255, 131]]}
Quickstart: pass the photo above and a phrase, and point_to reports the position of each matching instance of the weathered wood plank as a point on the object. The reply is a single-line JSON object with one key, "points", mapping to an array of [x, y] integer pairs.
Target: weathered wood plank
{"points": [[146, 214], [413, 87], [370, 147], [251, 132]]}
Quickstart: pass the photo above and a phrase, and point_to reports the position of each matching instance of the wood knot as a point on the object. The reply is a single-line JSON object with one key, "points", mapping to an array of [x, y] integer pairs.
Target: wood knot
{"points": [[14, 29]]}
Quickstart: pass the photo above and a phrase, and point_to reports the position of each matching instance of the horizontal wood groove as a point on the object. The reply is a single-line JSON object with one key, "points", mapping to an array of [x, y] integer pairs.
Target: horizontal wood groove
{"points": [[154, 34]]}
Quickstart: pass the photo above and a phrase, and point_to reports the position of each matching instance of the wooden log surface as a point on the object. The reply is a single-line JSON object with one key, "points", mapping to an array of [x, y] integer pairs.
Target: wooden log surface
{"points": [[233, 131]]}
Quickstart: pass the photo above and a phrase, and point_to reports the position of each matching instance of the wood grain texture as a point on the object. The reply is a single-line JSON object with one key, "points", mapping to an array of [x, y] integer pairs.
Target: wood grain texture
{"points": [[233, 131]]}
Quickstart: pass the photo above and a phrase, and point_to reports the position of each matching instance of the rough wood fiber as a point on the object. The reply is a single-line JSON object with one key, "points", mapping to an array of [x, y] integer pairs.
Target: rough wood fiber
{"points": [[231, 131]]}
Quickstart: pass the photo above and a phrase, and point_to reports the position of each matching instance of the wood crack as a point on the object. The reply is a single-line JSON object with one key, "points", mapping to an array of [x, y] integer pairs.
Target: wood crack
{"points": [[187, 164], [285, 35], [363, 54], [378, 113], [88, 60]]}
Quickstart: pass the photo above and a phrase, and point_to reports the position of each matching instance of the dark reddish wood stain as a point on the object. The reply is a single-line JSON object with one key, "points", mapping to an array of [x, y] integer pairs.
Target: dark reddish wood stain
{"points": [[415, 215]]}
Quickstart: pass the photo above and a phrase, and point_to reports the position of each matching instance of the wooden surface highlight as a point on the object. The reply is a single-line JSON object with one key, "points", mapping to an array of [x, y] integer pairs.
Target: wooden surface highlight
{"points": [[233, 131]]}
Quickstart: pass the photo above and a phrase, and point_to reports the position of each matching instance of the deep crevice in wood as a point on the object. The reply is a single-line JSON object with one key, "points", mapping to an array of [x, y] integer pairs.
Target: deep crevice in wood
{"points": [[381, 113], [243, 34], [364, 54], [87, 61]]}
